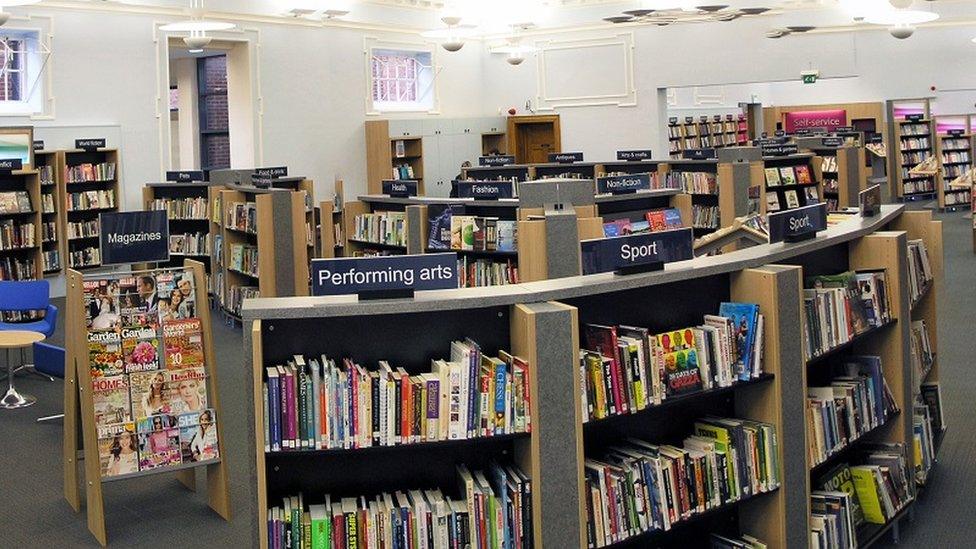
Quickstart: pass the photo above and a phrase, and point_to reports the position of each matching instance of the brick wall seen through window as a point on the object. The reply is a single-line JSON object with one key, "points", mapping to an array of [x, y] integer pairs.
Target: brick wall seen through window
{"points": [[214, 128]]}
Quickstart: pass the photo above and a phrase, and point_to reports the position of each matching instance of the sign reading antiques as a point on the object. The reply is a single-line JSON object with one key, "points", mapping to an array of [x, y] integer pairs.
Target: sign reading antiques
{"points": [[623, 184], [484, 190], [566, 158], [400, 188], [384, 274], [133, 237], [496, 160], [634, 156], [798, 224], [636, 252]]}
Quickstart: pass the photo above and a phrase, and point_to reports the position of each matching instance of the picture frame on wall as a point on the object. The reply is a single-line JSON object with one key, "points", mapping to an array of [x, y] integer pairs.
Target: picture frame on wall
{"points": [[18, 142]]}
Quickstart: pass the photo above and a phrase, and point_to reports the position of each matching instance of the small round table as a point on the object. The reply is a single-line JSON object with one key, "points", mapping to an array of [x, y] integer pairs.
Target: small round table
{"points": [[16, 339]]}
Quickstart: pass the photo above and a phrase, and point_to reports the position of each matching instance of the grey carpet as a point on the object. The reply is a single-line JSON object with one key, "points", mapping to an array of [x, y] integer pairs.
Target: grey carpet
{"points": [[157, 512]]}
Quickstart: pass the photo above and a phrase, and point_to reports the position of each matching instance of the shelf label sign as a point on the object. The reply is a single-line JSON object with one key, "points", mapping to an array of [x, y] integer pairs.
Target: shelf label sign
{"points": [[870, 201], [782, 149], [623, 184], [565, 158], [38, 144], [634, 156], [496, 160], [484, 190], [918, 117], [401, 273], [845, 129], [271, 173], [956, 132], [133, 237], [8, 165], [184, 176], [636, 252], [797, 224], [832, 141], [699, 154], [402, 188], [90, 145]]}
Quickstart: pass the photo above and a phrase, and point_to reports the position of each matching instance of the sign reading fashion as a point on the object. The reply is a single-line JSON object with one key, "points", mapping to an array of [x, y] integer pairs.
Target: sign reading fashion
{"points": [[828, 119], [90, 144], [634, 156], [799, 224], [344, 276], [184, 176], [623, 184], [401, 188], [603, 255], [566, 158], [133, 237], [484, 190], [496, 160]]}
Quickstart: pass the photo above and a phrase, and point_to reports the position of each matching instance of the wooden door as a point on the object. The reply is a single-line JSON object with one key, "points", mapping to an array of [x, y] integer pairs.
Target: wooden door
{"points": [[536, 141]]}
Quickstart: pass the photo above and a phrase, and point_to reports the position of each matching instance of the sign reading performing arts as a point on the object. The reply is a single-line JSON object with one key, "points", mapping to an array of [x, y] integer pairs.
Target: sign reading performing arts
{"points": [[344, 276], [133, 237]]}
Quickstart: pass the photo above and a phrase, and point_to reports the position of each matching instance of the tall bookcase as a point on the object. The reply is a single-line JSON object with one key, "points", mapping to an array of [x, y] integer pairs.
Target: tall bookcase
{"points": [[542, 324], [20, 224], [715, 132], [51, 206], [955, 152], [911, 133], [189, 208], [86, 194], [842, 170]]}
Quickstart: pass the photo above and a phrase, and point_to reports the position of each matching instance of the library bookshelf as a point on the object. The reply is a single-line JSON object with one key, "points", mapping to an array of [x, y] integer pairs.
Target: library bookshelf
{"points": [[730, 130], [51, 206], [20, 226], [188, 206], [842, 170], [89, 186], [911, 141], [782, 193], [955, 152], [542, 323]]}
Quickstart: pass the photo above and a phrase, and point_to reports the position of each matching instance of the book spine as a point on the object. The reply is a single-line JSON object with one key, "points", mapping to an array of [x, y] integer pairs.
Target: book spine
{"points": [[433, 410], [302, 408], [500, 385], [374, 391], [274, 402]]}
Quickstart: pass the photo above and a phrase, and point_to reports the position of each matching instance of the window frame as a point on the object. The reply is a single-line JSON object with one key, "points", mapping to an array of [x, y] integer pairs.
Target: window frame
{"points": [[32, 75], [203, 93], [428, 102]]}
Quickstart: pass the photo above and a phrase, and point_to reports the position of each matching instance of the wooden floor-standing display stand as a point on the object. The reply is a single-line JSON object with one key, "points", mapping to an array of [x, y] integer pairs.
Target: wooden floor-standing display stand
{"points": [[79, 407]]}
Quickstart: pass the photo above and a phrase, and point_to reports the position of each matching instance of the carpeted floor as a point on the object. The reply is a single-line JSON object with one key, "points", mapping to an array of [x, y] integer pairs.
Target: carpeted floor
{"points": [[158, 512]]}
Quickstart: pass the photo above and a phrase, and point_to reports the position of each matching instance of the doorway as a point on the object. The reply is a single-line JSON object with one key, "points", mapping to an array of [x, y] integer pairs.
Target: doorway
{"points": [[534, 138]]}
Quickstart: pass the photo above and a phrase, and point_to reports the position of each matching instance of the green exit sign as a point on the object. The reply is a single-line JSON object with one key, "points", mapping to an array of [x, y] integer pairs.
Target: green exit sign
{"points": [[809, 78]]}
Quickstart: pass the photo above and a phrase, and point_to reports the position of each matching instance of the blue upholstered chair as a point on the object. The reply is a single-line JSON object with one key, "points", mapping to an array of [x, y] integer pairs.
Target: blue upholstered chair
{"points": [[29, 295]]}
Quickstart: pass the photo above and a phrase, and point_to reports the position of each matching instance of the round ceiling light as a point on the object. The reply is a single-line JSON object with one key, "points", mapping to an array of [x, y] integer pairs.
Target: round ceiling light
{"points": [[901, 17], [203, 25], [619, 19], [753, 11], [638, 13]]}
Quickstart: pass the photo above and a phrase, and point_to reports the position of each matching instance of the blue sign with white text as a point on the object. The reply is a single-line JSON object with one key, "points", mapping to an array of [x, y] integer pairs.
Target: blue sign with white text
{"points": [[623, 184], [484, 190], [603, 255], [344, 276], [400, 188], [797, 224], [133, 237]]}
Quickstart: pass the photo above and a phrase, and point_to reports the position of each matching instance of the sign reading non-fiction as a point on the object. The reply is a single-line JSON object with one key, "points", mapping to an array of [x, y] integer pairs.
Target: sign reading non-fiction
{"points": [[384, 274], [798, 224], [271, 173], [828, 119], [636, 252], [184, 176], [779, 149], [8, 165], [566, 158], [634, 156], [496, 160], [870, 201], [38, 144], [133, 237], [623, 184], [832, 141], [484, 190], [400, 188], [698, 154], [91, 144]]}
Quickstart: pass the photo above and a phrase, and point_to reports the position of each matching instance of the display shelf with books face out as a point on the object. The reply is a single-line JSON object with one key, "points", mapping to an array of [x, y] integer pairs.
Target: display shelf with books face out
{"points": [[955, 178], [791, 182], [699, 181], [89, 185], [842, 169]]}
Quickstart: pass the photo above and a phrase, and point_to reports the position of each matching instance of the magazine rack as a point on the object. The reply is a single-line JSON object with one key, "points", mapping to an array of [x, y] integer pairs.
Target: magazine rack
{"points": [[79, 407]]}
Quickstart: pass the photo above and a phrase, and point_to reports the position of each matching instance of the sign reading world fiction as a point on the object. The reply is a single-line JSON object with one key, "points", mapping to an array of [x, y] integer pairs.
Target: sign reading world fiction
{"points": [[38, 144], [870, 201], [90, 145], [623, 184], [400, 188], [384, 274], [496, 160], [484, 190], [184, 176], [636, 252], [634, 156], [133, 237], [565, 158], [829, 120], [799, 224]]}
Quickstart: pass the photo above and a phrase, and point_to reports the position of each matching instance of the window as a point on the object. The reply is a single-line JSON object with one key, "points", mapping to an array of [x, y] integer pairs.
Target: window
{"points": [[214, 127], [12, 68], [401, 80], [23, 59]]}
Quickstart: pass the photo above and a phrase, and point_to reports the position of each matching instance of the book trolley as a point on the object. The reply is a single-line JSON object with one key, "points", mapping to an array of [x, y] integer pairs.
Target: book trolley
{"points": [[544, 324], [81, 436]]}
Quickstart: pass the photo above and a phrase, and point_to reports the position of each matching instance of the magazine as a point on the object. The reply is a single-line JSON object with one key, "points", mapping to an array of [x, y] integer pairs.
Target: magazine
{"points": [[140, 349], [198, 436], [187, 390], [130, 300], [110, 396], [148, 394], [105, 353], [183, 299], [159, 448], [118, 450], [101, 304], [183, 340], [156, 422]]}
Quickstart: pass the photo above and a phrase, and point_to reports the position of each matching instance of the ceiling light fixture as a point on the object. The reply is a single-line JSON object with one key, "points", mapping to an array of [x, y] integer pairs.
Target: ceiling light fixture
{"points": [[901, 17], [667, 12], [452, 38]]}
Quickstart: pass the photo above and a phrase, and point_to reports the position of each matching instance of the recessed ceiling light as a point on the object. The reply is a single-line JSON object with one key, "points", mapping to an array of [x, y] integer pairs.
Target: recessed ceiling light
{"points": [[619, 19], [901, 17], [712, 8], [15, 3], [777, 33], [195, 51], [332, 14], [638, 13], [753, 11]]}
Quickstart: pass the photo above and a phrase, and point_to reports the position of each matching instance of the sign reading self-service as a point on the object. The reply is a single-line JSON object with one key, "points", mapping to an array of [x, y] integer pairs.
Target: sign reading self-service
{"points": [[603, 255], [345, 276], [133, 237], [566, 158], [401, 188], [496, 160], [484, 190], [634, 156], [623, 184], [799, 224], [827, 119]]}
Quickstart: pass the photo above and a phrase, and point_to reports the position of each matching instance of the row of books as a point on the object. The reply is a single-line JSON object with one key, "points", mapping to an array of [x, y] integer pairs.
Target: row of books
{"points": [[914, 143], [192, 244], [952, 171], [928, 424], [958, 198], [625, 369], [741, 542], [46, 173], [955, 144], [922, 353], [318, 403], [47, 203], [51, 260], [839, 307], [704, 217], [856, 402], [403, 172], [382, 228], [919, 269], [494, 511], [83, 229], [242, 216], [693, 129], [244, 259], [788, 175], [17, 269], [15, 236], [237, 294], [956, 157], [84, 257], [49, 231], [789, 199], [104, 171], [481, 272], [914, 128], [91, 200], [693, 182], [913, 158], [828, 164], [654, 220], [15, 202], [450, 229], [182, 208], [638, 486]]}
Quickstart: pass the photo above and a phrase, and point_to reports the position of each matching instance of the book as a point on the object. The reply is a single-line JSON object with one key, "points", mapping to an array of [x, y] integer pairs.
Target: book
{"points": [[439, 218], [680, 357], [110, 395], [787, 176], [507, 236], [803, 175], [772, 177], [183, 341], [772, 202], [140, 348], [105, 353], [792, 200], [745, 318]]}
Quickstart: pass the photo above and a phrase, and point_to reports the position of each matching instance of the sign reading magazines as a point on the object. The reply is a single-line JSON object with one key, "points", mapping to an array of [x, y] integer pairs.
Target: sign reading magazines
{"points": [[484, 190], [149, 380], [636, 252], [799, 224], [402, 273], [133, 237]]}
